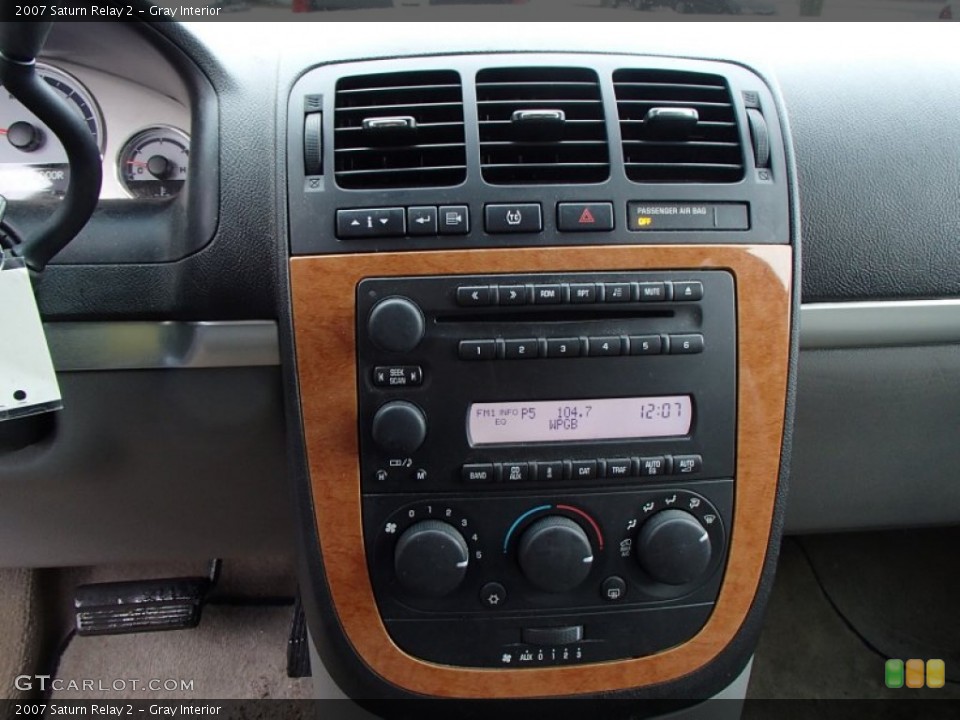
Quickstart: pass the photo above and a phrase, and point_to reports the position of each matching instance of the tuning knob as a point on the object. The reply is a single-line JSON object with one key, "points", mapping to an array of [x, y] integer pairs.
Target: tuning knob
{"points": [[399, 428], [396, 325], [431, 558], [555, 554], [673, 547]]}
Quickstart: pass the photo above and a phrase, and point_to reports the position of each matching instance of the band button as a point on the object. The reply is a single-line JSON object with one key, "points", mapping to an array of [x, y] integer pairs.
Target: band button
{"points": [[477, 472]]}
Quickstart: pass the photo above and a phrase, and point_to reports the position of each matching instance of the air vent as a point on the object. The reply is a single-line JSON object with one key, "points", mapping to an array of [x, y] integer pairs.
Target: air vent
{"points": [[678, 127], [400, 130], [541, 126]]}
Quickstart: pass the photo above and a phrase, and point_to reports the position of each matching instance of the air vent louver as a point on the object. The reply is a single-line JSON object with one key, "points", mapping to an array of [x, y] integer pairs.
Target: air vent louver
{"points": [[708, 151], [541, 126], [400, 130]]}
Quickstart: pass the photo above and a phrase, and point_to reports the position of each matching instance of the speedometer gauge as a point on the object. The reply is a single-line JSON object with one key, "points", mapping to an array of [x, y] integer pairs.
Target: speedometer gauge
{"points": [[154, 162], [32, 160]]}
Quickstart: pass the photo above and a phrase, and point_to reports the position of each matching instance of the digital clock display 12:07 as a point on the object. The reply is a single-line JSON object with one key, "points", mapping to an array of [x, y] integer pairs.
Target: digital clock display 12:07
{"points": [[504, 423]]}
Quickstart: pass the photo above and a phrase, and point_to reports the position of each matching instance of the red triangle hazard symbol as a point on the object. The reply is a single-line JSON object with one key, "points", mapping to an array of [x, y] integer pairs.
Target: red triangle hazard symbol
{"points": [[586, 217]]}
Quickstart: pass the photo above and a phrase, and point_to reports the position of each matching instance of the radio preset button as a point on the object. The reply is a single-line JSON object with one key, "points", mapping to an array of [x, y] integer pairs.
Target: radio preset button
{"points": [[475, 296], [686, 344], [654, 466], [563, 347], [514, 472], [618, 468], [397, 375], [478, 472], [478, 349], [645, 345], [521, 349], [617, 292], [583, 293], [583, 469], [547, 294], [687, 464], [549, 471], [513, 294], [605, 346], [687, 290], [653, 291]]}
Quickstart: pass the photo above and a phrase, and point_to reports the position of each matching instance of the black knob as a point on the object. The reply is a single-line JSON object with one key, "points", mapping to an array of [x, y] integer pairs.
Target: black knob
{"points": [[673, 547], [159, 166], [431, 558], [399, 428], [555, 554], [396, 325], [25, 136]]}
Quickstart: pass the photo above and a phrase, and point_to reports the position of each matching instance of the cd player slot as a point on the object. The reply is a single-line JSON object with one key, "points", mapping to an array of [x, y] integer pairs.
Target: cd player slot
{"points": [[566, 315]]}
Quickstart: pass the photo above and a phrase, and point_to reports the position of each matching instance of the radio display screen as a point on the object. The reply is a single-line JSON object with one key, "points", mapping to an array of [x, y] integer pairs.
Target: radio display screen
{"points": [[506, 423]]}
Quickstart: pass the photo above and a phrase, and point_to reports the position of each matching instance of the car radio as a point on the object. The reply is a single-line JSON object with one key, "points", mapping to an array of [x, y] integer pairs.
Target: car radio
{"points": [[549, 456]]}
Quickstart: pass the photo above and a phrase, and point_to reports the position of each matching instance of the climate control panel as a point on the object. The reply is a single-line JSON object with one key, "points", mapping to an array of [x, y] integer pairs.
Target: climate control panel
{"points": [[640, 567]]}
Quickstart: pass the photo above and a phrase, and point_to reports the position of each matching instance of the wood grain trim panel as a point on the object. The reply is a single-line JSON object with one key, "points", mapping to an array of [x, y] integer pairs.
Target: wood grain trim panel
{"points": [[323, 290]]}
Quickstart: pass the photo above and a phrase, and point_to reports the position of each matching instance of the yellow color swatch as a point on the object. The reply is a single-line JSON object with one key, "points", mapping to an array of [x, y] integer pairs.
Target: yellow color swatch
{"points": [[936, 673], [914, 673]]}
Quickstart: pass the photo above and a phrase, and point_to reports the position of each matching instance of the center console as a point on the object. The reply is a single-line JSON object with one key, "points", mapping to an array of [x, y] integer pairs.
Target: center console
{"points": [[543, 421]]}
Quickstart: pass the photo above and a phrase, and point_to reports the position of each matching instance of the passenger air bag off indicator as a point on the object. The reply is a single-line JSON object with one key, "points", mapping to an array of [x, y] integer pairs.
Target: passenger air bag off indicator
{"points": [[672, 216]]}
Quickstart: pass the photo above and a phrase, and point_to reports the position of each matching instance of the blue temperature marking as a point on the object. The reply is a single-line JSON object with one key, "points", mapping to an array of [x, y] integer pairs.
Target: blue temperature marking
{"points": [[528, 513]]}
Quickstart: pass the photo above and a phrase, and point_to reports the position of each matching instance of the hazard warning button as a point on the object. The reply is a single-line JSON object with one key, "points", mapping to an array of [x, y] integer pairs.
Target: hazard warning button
{"points": [[584, 217]]}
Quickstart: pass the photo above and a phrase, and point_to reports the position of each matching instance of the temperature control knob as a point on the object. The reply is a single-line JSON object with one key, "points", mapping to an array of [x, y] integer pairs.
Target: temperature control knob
{"points": [[555, 554], [399, 428], [673, 547], [396, 325], [431, 558]]}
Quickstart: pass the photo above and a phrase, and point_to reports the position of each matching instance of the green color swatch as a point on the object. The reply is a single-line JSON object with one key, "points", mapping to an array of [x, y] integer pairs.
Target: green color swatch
{"points": [[893, 673]]}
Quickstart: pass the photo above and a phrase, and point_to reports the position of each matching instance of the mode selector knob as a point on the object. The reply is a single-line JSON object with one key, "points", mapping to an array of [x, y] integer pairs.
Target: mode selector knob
{"points": [[431, 558], [396, 324], [399, 428], [673, 547], [555, 554]]}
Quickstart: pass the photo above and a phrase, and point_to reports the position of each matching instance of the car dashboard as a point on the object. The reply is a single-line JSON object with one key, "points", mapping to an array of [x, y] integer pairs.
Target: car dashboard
{"points": [[557, 332]]}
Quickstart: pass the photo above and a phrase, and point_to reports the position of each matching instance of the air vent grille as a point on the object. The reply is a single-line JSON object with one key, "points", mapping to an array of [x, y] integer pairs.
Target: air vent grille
{"points": [[707, 152], [400, 130], [541, 126]]}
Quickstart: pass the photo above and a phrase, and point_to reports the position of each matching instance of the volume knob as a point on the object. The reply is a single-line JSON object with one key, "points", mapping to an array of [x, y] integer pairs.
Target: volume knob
{"points": [[396, 325], [399, 428]]}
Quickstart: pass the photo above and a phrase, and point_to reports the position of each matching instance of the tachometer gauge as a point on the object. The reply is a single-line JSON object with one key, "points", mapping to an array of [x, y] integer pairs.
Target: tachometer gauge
{"points": [[32, 160], [154, 162]]}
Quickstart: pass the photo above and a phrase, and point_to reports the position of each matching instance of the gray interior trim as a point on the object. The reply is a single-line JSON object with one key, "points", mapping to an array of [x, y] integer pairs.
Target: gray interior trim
{"points": [[879, 324], [80, 346]]}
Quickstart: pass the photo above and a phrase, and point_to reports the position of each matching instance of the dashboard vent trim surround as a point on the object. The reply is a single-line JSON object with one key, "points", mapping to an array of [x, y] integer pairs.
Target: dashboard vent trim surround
{"points": [[709, 152], [541, 126], [373, 150]]}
